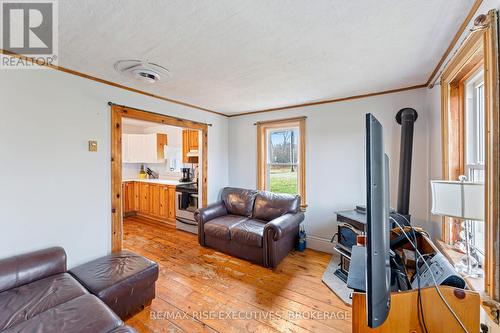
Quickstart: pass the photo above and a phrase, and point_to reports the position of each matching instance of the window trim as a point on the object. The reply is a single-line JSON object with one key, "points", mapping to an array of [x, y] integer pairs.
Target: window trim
{"points": [[478, 49], [474, 145], [262, 128]]}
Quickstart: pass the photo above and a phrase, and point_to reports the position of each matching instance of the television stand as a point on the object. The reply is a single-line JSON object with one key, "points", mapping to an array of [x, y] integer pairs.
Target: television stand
{"points": [[404, 315]]}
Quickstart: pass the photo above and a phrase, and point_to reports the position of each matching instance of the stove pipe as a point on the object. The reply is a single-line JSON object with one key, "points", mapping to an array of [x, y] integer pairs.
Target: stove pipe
{"points": [[406, 118]]}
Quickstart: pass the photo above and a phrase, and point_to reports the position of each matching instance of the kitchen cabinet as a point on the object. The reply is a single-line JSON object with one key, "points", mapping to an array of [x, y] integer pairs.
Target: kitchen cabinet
{"points": [[193, 140], [161, 142], [128, 198], [144, 205], [162, 201], [163, 208], [143, 148], [136, 196], [171, 202], [154, 201], [125, 206], [189, 144]]}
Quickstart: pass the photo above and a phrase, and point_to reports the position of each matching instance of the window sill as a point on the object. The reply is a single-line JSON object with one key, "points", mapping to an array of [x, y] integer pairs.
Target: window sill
{"points": [[454, 256]]}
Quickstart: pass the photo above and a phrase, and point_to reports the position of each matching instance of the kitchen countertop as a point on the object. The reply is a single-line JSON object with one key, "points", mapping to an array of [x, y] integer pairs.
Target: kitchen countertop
{"points": [[155, 181]]}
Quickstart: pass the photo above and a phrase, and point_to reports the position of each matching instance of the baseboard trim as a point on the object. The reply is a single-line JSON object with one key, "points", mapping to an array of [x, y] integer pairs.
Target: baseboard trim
{"points": [[319, 244]]}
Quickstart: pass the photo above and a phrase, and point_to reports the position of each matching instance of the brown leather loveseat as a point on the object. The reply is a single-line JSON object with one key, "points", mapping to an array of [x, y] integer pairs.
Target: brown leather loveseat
{"points": [[38, 295], [258, 226]]}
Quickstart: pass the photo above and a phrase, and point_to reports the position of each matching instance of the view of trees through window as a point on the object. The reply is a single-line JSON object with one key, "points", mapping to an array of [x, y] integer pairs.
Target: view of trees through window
{"points": [[283, 160]]}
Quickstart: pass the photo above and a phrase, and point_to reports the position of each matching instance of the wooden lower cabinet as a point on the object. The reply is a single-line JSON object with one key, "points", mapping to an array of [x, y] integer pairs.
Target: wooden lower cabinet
{"points": [[163, 208], [136, 195], [144, 205], [154, 201], [171, 202], [128, 200]]}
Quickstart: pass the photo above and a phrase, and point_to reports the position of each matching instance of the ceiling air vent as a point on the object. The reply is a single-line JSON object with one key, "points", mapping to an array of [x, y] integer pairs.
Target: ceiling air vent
{"points": [[142, 70]]}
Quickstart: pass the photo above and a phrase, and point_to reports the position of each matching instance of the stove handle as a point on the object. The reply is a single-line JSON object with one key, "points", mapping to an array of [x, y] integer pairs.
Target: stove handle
{"points": [[186, 221]]}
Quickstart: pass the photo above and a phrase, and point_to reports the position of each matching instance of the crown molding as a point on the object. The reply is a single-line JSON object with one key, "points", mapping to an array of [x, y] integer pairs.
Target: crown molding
{"points": [[113, 84], [460, 31], [336, 100], [455, 39]]}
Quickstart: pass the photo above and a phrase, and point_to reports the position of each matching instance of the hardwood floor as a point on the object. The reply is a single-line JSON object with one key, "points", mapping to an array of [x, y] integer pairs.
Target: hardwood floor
{"points": [[243, 297]]}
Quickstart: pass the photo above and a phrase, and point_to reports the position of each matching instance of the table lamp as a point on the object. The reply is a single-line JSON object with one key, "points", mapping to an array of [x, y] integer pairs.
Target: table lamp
{"points": [[461, 200]]}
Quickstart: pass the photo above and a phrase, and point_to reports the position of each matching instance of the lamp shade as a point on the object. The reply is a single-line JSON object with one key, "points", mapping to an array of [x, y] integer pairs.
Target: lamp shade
{"points": [[463, 200]]}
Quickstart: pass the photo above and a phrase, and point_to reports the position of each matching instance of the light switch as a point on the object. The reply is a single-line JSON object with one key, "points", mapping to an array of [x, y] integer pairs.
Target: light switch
{"points": [[92, 145]]}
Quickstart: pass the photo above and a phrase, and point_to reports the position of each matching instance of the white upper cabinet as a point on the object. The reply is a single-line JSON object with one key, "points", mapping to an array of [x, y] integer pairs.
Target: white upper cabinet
{"points": [[143, 148]]}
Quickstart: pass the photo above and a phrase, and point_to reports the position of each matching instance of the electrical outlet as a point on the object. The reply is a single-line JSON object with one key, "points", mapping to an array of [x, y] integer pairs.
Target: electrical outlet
{"points": [[92, 145]]}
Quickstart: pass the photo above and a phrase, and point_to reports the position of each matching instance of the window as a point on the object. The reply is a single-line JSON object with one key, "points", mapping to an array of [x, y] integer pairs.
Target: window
{"points": [[470, 129], [282, 160], [173, 155], [474, 148], [281, 156]]}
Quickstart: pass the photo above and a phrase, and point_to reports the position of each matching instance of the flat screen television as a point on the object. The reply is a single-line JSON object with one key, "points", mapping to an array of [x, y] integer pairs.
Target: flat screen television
{"points": [[378, 269]]}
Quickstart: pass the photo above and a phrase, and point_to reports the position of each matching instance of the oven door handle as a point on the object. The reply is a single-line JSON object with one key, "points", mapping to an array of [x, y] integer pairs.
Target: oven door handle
{"points": [[186, 221]]}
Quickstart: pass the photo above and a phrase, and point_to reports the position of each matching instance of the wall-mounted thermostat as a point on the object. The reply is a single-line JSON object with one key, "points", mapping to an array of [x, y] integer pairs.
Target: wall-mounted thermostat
{"points": [[92, 145]]}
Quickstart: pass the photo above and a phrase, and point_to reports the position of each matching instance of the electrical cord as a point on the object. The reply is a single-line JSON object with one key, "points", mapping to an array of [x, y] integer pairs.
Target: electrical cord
{"points": [[432, 275], [420, 307], [421, 317]]}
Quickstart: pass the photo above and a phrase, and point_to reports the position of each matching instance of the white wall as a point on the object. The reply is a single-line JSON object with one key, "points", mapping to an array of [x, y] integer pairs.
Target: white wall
{"points": [[433, 104], [335, 169], [55, 192]]}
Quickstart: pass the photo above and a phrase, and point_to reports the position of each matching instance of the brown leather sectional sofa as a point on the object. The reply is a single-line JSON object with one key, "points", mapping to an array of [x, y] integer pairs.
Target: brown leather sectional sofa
{"points": [[258, 226], [38, 295]]}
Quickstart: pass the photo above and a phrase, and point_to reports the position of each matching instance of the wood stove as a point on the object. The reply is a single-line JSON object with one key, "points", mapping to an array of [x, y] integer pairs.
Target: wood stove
{"points": [[351, 223]]}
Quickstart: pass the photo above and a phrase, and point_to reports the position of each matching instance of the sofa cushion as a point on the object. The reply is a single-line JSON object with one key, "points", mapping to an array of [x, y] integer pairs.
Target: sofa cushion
{"points": [[221, 226], [249, 232], [238, 201], [24, 302], [84, 314], [269, 206]]}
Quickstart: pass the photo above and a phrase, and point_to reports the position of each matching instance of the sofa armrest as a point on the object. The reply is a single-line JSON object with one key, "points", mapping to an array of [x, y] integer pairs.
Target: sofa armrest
{"points": [[284, 224], [205, 214], [210, 212], [26, 268]]}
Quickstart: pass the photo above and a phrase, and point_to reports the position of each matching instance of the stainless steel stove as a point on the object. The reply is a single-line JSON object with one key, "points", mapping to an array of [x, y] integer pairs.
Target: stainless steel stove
{"points": [[186, 203]]}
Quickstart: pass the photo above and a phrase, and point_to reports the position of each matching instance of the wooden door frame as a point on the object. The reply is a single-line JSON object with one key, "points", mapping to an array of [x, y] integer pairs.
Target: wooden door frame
{"points": [[118, 112], [483, 43]]}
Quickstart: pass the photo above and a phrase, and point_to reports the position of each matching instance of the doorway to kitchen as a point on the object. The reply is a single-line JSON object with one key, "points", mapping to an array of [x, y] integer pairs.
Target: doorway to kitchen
{"points": [[150, 178]]}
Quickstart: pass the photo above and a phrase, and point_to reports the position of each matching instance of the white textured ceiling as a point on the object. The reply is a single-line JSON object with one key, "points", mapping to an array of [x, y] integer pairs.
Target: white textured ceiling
{"points": [[235, 56]]}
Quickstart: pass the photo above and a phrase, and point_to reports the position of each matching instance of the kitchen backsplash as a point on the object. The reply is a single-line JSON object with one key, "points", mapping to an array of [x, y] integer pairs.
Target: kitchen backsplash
{"points": [[131, 170]]}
